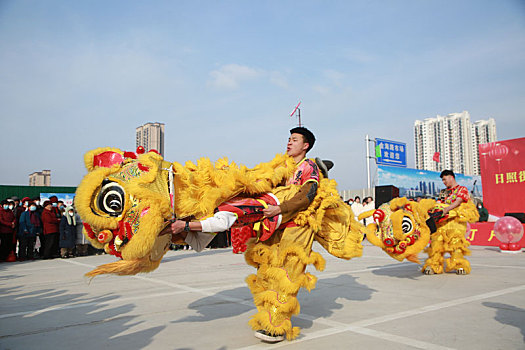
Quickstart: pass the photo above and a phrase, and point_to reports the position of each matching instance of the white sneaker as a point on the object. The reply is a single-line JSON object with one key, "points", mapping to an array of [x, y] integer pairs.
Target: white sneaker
{"points": [[268, 337], [428, 271]]}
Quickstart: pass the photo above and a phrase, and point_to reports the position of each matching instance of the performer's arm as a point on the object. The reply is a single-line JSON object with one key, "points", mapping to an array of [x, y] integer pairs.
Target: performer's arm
{"points": [[454, 205], [200, 232], [294, 205]]}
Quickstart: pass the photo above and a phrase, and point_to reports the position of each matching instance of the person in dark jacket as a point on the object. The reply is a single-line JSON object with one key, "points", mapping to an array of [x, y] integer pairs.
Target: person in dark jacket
{"points": [[68, 233], [51, 231], [7, 226], [483, 212], [30, 225]]}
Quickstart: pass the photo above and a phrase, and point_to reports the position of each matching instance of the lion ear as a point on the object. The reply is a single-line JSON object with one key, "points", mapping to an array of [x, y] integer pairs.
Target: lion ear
{"points": [[425, 205], [103, 158], [398, 203]]}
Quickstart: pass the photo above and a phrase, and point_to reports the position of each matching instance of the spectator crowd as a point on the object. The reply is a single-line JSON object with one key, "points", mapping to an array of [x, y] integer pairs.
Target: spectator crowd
{"points": [[32, 230]]}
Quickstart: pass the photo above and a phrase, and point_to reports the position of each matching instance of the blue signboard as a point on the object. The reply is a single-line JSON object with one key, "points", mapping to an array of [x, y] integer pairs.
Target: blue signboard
{"points": [[391, 153]]}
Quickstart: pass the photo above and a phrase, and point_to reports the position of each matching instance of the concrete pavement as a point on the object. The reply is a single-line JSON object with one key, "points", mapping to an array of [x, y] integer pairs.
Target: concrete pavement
{"points": [[200, 301]]}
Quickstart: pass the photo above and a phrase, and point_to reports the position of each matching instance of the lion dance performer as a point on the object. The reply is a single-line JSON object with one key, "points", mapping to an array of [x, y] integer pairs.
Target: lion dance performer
{"points": [[452, 212], [129, 203]]}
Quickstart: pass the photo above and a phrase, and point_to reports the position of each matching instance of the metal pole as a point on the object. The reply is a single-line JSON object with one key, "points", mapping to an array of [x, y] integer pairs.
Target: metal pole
{"points": [[299, 111], [367, 161]]}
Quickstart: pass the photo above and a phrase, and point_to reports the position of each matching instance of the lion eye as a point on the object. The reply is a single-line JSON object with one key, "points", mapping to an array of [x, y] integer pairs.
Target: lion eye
{"points": [[406, 225], [111, 198]]}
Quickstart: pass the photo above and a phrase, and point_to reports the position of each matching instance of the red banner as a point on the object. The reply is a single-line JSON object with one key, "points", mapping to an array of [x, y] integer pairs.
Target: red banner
{"points": [[482, 233], [502, 166]]}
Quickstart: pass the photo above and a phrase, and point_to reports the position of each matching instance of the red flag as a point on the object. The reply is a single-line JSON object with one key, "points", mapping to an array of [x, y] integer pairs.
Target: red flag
{"points": [[436, 157]]}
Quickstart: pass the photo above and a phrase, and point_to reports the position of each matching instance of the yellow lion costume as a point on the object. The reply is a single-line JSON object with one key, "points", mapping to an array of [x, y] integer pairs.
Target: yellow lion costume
{"points": [[400, 227], [450, 238], [124, 200]]}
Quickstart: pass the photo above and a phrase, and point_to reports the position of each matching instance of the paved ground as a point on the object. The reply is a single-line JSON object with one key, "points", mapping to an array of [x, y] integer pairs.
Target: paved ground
{"points": [[200, 301]]}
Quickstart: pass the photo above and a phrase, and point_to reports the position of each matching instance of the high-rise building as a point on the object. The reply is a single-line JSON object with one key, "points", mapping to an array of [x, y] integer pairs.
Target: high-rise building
{"points": [[456, 140], [151, 136], [40, 178], [483, 131]]}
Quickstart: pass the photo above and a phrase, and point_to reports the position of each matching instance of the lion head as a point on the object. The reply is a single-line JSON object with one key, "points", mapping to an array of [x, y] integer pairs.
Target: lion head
{"points": [[400, 227], [123, 202]]}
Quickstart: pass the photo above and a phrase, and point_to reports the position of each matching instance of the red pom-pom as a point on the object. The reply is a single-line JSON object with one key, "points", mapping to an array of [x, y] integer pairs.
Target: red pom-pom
{"points": [[105, 236], [379, 215], [399, 250], [140, 150], [389, 242], [154, 151]]}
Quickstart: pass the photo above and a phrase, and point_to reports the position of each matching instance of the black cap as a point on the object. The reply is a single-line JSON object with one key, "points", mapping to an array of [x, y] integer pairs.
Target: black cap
{"points": [[308, 135]]}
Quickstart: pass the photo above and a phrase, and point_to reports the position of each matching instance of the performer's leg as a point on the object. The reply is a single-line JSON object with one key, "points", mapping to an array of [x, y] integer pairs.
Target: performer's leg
{"points": [[457, 245], [281, 263], [434, 263]]}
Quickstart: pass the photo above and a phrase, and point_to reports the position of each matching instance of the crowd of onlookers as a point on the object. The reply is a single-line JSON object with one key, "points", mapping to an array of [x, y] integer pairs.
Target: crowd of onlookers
{"points": [[30, 229], [358, 207], [368, 204]]}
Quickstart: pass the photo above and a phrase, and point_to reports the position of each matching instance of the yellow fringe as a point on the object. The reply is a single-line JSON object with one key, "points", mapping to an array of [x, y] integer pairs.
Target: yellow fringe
{"points": [[450, 238], [125, 267], [275, 288]]}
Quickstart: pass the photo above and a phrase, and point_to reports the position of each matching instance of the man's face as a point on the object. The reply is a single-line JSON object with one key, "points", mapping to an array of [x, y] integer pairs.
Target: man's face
{"points": [[296, 145], [448, 181]]}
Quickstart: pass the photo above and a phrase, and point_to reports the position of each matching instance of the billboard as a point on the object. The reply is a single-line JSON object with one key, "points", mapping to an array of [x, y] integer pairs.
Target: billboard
{"points": [[391, 153], [423, 183], [502, 166], [67, 198]]}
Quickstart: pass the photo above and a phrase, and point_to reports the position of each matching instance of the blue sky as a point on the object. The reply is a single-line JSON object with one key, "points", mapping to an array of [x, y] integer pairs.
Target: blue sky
{"points": [[224, 76]]}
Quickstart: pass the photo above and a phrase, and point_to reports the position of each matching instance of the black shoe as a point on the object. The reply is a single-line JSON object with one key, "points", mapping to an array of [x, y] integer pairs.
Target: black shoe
{"points": [[268, 337]]}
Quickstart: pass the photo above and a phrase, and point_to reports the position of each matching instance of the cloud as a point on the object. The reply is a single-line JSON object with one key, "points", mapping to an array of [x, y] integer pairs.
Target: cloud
{"points": [[322, 90], [359, 56], [230, 76], [279, 79], [335, 77]]}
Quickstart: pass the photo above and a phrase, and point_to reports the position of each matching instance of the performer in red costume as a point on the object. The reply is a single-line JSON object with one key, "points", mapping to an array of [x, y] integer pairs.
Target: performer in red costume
{"points": [[284, 249], [453, 212]]}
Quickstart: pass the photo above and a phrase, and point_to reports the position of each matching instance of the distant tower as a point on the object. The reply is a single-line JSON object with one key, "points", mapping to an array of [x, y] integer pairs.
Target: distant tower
{"points": [[456, 140], [40, 178], [151, 136], [483, 131]]}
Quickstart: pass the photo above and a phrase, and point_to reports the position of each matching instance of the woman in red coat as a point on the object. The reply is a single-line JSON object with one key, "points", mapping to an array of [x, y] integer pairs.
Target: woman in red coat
{"points": [[51, 231], [7, 229]]}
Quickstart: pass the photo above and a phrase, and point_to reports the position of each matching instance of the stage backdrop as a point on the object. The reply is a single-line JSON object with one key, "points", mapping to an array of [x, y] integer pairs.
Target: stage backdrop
{"points": [[502, 166], [424, 183]]}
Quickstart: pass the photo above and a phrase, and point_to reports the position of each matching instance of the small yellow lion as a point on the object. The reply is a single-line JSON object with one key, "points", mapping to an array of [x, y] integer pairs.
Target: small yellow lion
{"points": [[400, 227]]}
